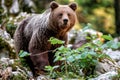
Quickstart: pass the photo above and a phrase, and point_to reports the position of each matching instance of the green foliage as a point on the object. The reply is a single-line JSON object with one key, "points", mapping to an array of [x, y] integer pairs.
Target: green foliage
{"points": [[55, 41], [62, 1], [100, 13], [10, 28], [107, 37], [83, 59], [22, 56], [97, 3], [52, 72], [112, 45]]}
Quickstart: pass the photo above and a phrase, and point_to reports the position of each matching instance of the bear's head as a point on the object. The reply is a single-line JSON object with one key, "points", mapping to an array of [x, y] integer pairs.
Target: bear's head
{"points": [[63, 17]]}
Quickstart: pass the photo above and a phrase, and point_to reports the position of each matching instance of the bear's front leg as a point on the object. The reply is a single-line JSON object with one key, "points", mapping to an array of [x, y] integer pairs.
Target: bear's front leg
{"points": [[39, 61], [38, 57]]}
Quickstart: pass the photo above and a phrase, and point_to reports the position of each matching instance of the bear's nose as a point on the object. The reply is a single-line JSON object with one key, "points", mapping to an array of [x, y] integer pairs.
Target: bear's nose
{"points": [[65, 21]]}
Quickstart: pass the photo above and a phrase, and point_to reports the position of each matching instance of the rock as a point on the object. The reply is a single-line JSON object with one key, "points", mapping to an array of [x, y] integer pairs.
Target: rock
{"points": [[117, 39], [4, 61], [7, 45], [15, 7], [107, 76], [4, 54], [78, 38], [13, 70], [119, 63], [16, 75], [81, 35], [6, 73], [72, 35], [115, 55], [105, 66], [42, 77], [109, 65]]}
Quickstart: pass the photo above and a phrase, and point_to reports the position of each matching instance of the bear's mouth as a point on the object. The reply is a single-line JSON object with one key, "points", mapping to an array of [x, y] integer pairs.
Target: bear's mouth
{"points": [[65, 23], [64, 26]]}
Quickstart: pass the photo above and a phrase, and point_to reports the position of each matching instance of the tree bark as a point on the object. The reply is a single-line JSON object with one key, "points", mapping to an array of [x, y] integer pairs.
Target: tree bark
{"points": [[117, 15]]}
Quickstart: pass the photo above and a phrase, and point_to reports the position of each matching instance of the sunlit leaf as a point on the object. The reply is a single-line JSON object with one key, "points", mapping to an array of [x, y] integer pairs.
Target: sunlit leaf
{"points": [[23, 54], [107, 37], [55, 41], [70, 59]]}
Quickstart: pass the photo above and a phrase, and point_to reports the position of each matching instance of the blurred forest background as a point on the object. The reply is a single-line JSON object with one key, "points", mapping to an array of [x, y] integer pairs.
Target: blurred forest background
{"points": [[91, 56], [99, 13]]}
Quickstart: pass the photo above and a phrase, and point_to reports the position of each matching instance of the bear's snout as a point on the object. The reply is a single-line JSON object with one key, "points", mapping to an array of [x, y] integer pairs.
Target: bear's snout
{"points": [[65, 21]]}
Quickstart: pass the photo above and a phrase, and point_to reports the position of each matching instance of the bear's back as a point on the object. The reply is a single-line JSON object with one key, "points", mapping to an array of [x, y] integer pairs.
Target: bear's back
{"points": [[38, 22]]}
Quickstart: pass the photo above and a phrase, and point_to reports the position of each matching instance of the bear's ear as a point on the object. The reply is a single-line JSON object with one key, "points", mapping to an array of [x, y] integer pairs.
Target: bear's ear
{"points": [[73, 6], [53, 5]]}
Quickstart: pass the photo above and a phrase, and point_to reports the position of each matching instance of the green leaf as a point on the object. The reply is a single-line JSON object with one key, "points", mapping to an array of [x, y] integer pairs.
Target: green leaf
{"points": [[23, 54], [84, 55], [92, 53], [111, 44], [88, 38], [107, 37], [63, 49], [48, 68], [70, 58], [94, 61], [98, 43], [55, 41], [59, 58], [78, 57], [89, 56], [55, 67]]}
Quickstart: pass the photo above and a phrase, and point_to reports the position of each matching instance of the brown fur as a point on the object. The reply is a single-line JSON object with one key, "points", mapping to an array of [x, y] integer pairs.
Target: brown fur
{"points": [[33, 33]]}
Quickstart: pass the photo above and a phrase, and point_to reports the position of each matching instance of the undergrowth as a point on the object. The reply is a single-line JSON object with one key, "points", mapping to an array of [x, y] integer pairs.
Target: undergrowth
{"points": [[80, 63]]}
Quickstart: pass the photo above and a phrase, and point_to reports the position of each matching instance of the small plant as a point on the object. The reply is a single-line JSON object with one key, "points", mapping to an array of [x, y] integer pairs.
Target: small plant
{"points": [[80, 61], [52, 72], [22, 56]]}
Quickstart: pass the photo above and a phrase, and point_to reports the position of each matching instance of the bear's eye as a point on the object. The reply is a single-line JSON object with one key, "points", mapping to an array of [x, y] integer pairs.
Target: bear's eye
{"points": [[60, 14], [68, 14]]}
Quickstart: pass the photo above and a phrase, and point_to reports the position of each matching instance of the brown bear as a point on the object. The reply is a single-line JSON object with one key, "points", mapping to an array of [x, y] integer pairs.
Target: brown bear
{"points": [[33, 33]]}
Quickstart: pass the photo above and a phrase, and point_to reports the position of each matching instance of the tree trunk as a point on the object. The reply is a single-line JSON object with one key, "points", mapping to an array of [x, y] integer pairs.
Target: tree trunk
{"points": [[117, 16]]}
